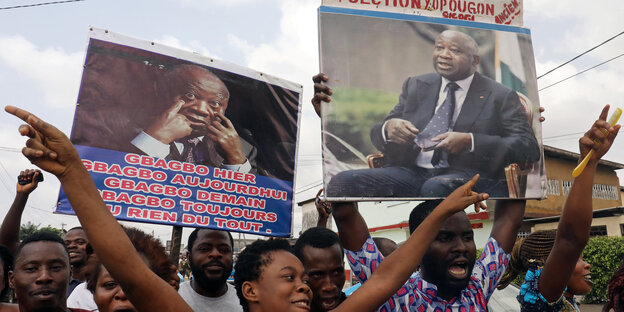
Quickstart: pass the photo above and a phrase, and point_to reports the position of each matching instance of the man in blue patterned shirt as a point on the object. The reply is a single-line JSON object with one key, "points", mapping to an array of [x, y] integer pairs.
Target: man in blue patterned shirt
{"points": [[449, 278]]}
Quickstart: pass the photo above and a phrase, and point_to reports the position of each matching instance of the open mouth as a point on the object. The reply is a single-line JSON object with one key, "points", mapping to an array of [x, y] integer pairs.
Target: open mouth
{"points": [[328, 303], [458, 269], [587, 279], [125, 308], [304, 304]]}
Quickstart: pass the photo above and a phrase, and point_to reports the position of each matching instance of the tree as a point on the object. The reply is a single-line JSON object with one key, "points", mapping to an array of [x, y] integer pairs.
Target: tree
{"points": [[30, 228]]}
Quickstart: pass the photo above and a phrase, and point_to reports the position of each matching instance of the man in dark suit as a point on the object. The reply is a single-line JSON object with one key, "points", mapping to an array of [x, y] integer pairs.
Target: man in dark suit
{"points": [[447, 127], [193, 127]]}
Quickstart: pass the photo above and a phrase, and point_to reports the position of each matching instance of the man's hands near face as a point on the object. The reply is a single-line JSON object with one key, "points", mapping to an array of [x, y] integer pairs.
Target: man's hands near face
{"points": [[228, 144], [171, 125], [453, 142], [400, 131]]}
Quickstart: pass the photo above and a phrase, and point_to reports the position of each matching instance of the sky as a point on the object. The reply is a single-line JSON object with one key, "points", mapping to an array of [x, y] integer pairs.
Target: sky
{"points": [[42, 51]]}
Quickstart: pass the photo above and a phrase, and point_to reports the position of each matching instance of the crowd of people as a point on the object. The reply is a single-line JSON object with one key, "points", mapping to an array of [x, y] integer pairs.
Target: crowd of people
{"points": [[103, 266]]}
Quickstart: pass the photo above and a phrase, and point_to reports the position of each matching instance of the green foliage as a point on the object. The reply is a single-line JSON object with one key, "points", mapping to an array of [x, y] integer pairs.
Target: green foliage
{"points": [[604, 254], [355, 111], [30, 228]]}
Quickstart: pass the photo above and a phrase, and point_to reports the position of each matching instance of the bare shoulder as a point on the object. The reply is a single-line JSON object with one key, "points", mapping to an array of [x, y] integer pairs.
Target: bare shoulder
{"points": [[8, 307]]}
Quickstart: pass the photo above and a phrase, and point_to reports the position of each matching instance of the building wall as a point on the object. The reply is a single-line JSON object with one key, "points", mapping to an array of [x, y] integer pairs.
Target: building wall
{"points": [[559, 173], [613, 225]]}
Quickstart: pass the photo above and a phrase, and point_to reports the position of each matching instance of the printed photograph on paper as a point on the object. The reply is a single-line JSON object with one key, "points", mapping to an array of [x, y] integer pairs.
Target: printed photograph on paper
{"points": [[171, 137], [421, 105]]}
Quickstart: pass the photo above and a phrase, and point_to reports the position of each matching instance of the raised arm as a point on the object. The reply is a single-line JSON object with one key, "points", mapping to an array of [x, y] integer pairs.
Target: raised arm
{"points": [[9, 232], [392, 273], [507, 220], [51, 150], [575, 223], [352, 229]]}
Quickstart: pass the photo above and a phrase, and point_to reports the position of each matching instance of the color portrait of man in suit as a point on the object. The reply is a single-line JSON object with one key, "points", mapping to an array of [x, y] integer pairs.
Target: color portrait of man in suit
{"points": [[193, 127], [447, 126]]}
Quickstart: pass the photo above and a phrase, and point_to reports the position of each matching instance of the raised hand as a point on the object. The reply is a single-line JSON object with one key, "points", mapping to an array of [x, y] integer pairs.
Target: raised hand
{"points": [[463, 197], [321, 92], [30, 176], [599, 138], [47, 147]]}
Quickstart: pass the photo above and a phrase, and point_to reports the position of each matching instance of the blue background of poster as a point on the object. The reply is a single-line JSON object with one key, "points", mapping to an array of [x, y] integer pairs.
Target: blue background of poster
{"points": [[245, 215]]}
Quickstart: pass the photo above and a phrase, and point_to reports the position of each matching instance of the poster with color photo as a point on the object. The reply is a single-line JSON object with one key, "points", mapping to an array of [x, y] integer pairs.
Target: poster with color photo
{"points": [[172, 137], [420, 105]]}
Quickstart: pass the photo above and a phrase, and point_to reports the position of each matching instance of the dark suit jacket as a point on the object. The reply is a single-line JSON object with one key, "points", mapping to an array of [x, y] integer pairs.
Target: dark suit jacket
{"points": [[208, 155], [491, 112]]}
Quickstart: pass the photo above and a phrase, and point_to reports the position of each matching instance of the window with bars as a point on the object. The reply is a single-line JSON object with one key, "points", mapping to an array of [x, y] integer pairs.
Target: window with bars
{"points": [[599, 230], [552, 187], [608, 192], [600, 191], [565, 187]]}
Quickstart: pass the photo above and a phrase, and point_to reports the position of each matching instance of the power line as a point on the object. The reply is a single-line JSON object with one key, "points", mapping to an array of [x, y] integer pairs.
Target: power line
{"points": [[562, 135], [10, 149], [574, 58], [309, 188], [4, 183], [562, 80], [38, 4]]}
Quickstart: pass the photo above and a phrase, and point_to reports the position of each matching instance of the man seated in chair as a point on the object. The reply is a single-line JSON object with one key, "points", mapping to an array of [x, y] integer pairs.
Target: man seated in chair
{"points": [[448, 126]]}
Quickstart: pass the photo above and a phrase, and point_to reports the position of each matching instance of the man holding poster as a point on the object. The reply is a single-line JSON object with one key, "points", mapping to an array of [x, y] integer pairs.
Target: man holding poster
{"points": [[447, 127], [193, 128]]}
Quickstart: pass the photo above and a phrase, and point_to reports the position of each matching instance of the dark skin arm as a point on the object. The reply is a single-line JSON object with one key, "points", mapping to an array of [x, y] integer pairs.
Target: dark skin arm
{"points": [[352, 228], [508, 217], [49, 149], [575, 223], [351, 225], [392, 273], [507, 220], [9, 232]]}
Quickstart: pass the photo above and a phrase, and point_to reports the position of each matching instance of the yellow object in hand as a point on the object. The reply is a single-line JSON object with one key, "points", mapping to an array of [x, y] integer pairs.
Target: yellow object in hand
{"points": [[614, 118]]}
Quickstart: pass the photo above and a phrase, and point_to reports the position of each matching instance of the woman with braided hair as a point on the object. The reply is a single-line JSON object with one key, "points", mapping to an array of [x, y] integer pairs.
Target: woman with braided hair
{"points": [[555, 268], [616, 292], [529, 255]]}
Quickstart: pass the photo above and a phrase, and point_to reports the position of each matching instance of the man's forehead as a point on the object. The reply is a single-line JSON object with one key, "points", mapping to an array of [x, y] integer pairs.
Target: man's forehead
{"points": [[205, 80], [309, 252], [458, 222], [74, 234], [205, 235], [42, 251]]}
